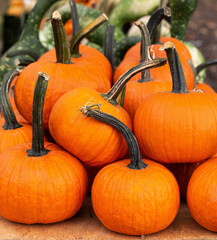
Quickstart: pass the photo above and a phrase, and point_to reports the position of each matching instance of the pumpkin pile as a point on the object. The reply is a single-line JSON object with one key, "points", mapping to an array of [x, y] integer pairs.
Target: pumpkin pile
{"points": [[141, 127]]}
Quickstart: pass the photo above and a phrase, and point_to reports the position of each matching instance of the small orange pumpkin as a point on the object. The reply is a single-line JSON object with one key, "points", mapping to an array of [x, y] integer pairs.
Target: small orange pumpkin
{"points": [[133, 196], [179, 126], [94, 143], [201, 195], [40, 183], [132, 58], [65, 74], [137, 91]]}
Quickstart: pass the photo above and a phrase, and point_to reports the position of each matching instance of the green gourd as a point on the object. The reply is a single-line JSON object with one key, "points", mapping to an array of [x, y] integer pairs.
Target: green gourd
{"points": [[29, 47], [130, 10], [181, 13]]}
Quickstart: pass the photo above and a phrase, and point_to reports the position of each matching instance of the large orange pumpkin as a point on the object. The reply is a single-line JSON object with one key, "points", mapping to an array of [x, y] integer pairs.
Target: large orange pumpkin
{"points": [[40, 183], [180, 126], [94, 143], [65, 74], [133, 196]]}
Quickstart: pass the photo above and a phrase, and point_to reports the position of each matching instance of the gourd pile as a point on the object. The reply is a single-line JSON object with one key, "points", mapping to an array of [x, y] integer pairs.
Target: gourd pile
{"points": [[136, 116]]}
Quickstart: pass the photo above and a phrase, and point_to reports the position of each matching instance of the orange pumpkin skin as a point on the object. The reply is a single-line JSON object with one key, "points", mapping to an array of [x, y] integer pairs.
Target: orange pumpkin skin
{"points": [[43, 189], [12, 137], [201, 195], [132, 58], [63, 77], [90, 57], [91, 141], [136, 93], [205, 88], [177, 128], [135, 202]]}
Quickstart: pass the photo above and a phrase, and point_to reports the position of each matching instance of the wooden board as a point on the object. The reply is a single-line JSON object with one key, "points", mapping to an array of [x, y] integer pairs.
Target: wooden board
{"points": [[85, 226]]}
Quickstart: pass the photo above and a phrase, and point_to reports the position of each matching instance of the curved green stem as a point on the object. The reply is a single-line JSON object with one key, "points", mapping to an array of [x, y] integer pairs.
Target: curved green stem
{"points": [[205, 65], [113, 93], [9, 116], [38, 149], [84, 32], [109, 44], [135, 156], [60, 39], [144, 50], [74, 16], [154, 21], [178, 77]]}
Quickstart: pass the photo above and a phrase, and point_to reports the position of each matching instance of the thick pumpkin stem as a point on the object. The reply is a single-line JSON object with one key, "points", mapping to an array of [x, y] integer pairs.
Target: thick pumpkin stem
{"points": [[84, 32], [154, 21], [74, 16], [60, 39], [38, 149], [109, 44], [113, 93], [178, 77], [205, 65], [8, 113], [135, 156], [144, 50]]}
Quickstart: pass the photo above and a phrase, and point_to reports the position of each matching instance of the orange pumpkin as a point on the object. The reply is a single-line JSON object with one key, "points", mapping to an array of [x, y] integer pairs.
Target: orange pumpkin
{"points": [[133, 196], [94, 143], [40, 183], [179, 126], [201, 195], [136, 92], [65, 74], [11, 132], [132, 58]]}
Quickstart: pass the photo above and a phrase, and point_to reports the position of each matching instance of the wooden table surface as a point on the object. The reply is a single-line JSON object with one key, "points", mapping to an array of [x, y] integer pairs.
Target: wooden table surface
{"points": [[85, 226]]}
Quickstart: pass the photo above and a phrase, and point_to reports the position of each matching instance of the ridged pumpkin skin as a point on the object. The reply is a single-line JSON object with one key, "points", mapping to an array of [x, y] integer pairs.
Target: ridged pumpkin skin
{"points": [[43, 189], [177, 128], [135, 202], [63, 78], [12, 137], [132, 58], [136, 93], [201, 195], [91, 141], [89, 57]]}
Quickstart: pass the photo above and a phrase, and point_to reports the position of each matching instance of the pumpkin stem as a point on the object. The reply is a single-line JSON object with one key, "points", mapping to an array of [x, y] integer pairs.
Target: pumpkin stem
{"points": [[74, 16], [135, 156], [109, 44], [144, 50], [113, 93], [37, 117], [8, 113], [84, 32], [154, 21], [60, 39], [178, 77], [205, 65]]}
